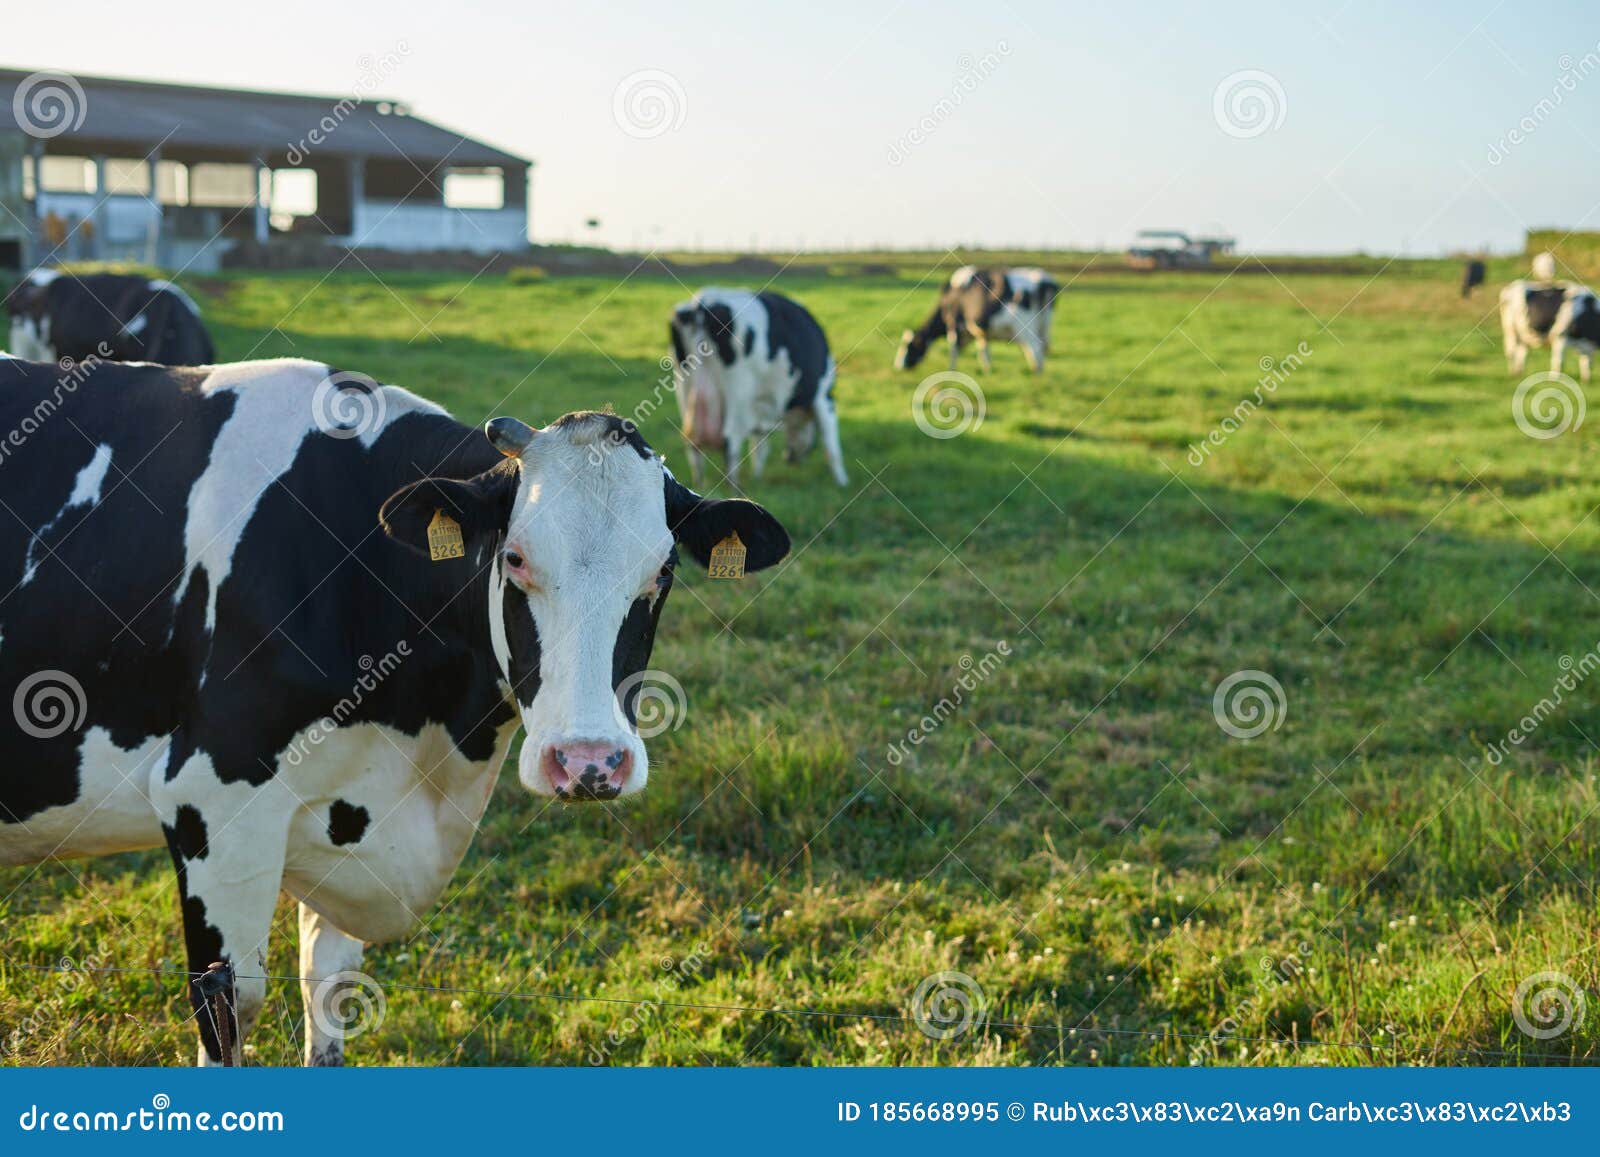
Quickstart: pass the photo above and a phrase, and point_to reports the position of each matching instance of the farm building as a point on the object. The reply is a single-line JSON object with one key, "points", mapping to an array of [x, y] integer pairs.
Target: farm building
{"points": [[180, 175]]}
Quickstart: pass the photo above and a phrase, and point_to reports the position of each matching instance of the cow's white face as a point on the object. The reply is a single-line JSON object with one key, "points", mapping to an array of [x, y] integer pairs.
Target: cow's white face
{"points": [[578, 533], [30, 339]]}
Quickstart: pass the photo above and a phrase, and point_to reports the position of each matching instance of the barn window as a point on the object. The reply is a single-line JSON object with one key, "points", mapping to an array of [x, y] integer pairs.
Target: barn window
{"points": [[172, 183], [475, 189], [222, 186], [66, 174], [294, 196], [127, 177]]}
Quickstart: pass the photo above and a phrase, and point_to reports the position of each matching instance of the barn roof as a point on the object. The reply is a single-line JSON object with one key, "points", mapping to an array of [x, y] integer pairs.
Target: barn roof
{"points": [[142, 114]]}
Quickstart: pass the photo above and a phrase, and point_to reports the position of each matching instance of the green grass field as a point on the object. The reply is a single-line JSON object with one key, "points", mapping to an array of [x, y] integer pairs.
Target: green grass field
{"points": [[1123, 880]]}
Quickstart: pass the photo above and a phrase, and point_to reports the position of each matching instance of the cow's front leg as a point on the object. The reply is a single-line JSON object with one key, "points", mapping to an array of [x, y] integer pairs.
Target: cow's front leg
{"points": [[228, 890], [954, 340], [327, 958], [758, 454], [1583, 368], [227, 842], [827, 419]]}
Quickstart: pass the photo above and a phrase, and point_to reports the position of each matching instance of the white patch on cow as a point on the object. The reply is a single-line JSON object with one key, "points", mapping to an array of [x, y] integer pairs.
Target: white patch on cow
{"points": [[112, 813], [137, 326], [43, 276], [273, 414], [423, 800], [590, 519], [85, 492], [30, 339], [962, 277]]}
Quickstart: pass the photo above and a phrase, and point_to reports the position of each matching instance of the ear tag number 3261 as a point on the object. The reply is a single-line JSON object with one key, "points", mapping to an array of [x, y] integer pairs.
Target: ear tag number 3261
{"points": [[444, 538], [727, 558]]}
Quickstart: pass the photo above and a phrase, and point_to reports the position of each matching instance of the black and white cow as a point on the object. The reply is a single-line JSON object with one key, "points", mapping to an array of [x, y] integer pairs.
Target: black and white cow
{"points": [[744, 364], [977, 304], [225, 633], [1560, 315], [106, 315]]}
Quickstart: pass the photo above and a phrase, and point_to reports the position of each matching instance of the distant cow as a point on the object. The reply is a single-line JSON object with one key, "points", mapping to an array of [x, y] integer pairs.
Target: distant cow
{"points": [[1535, 314], [744, 364], [1472, 276], [977, 304], [114, 316], [210, 644]]}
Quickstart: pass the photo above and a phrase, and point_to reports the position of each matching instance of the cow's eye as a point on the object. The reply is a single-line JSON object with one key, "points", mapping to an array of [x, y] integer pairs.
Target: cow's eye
{"points": [[514, 560]]}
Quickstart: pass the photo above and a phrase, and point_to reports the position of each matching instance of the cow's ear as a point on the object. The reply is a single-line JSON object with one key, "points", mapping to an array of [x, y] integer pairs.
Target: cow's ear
{"points": [[700, 523], [481, 505]]}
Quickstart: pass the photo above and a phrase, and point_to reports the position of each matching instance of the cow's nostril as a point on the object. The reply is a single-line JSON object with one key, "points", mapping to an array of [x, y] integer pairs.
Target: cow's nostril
{"points": [[585, 770]]}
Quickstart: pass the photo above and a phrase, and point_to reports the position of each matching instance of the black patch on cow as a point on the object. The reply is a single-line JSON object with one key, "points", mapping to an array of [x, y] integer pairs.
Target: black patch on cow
{"points": [[749, 342], [619, 431], [792, 329], [1543, 305], [202, 946], [1472, 276], [347, 823], [1585, 323], [679, 353], [718, 323], [188, 833], [522, 639]]}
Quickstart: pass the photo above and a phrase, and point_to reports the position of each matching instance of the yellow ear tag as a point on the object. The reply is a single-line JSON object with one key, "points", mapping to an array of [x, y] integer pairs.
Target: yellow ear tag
{"points": [[444, 538], [727, 558]]}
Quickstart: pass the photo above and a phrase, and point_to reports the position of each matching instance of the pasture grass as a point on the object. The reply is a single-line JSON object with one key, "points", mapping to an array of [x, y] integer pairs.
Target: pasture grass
{"points": [[1124, 881]]}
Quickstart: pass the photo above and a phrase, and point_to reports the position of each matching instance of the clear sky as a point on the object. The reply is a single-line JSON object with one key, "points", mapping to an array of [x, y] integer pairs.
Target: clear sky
{"points": [[991, 122]]}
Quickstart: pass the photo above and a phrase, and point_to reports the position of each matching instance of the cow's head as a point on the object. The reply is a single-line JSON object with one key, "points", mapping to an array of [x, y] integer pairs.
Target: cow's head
{"points": [[913, 348], [30, 322], [581, 528], [701, 328]]}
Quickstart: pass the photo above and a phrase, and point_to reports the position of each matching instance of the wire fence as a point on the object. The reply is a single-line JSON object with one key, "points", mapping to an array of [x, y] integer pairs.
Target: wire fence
{"points": [[1083, 1030]]}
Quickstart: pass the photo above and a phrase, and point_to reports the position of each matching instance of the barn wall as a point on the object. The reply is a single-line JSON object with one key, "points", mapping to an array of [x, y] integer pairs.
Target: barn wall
{"points": [[417, 227]]}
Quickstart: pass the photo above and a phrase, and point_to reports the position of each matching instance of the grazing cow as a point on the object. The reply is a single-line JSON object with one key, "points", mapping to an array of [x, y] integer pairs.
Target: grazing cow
{"points": [[744, 363], [1560, 315], [1472, 276], [977, 304], [106, 315], [210, 644]]}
